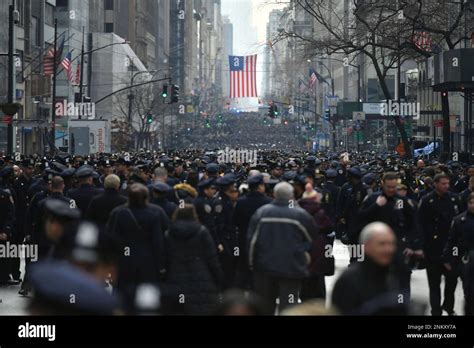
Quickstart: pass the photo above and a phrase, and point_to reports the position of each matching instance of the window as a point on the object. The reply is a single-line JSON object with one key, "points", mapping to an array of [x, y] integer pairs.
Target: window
{"points": [[34, 33], [49, 14], [62, 3], [109, 4], [109, 27]]}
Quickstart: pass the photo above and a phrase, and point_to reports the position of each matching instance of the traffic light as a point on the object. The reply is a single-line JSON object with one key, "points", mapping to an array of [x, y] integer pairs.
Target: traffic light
{"points": [[327, 115], [174, 94], [208, 123], [149, 118], [273, 110], [165, 92], [270, 110]]}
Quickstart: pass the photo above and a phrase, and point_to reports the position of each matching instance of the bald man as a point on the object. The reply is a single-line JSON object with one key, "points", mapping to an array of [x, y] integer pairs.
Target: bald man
{"points": [[370, 287]]}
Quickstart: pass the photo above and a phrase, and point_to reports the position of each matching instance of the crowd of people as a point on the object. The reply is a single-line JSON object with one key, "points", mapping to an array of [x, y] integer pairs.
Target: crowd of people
{"points": [[237, 129], [182, 233]]}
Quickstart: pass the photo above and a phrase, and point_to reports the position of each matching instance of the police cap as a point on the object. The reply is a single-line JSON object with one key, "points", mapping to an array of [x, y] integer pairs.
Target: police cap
{"points": [[54, 282], [61, 209], [84, 172], [161, 187], [255, 180]]}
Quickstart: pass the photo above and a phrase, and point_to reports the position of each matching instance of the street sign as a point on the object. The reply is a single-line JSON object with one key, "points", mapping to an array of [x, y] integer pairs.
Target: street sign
{"points": [[373, 108], [358, 116], [332, 101]]}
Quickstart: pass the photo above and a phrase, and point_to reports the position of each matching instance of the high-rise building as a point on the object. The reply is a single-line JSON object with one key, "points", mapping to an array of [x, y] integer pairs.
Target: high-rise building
{"points": [[32, 90], [135, 21], [228, 38], [273, 76]]}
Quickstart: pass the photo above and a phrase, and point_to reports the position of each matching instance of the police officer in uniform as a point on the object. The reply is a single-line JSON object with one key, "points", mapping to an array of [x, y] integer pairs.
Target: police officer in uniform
{"points": [[463, 183], [203, 203], [370, 182], [55, 281], [212, 170], [179, 173], [7, 225], [226, 230], [68, 176], [330, 192], [436, 212], [57, 217], [85, 191], [348, 203], [244, 209], [39, 233], [399, 213], [21, 187], [458, 254], [160, 192]]}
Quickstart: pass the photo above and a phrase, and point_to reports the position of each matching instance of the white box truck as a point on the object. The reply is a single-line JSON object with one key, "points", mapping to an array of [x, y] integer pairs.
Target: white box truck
{"points": [[89, 137]]}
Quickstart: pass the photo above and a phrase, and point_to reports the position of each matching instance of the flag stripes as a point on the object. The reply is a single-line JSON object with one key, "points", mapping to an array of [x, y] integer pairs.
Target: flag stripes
{"points": [[243, 76]]}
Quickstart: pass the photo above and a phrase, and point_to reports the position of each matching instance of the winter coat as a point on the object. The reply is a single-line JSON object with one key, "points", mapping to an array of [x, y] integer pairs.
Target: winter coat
{"points": [[143, 257], [193, 274], [280, 238], [322, 260]]}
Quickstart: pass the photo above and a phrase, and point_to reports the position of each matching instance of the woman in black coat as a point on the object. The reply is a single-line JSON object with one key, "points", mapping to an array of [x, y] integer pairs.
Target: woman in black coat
{"points": [[138, 225], [194, 275]]}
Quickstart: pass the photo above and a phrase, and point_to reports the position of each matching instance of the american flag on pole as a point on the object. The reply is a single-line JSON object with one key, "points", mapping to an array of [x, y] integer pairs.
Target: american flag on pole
{"points": [[48, 62], [51, 58], [313, 77], [422, 40], [243, 76], [78, 74], [67, 65]]}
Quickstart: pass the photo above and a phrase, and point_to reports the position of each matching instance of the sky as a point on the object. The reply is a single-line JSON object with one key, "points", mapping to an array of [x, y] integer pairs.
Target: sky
{"points": [[250, 18]]}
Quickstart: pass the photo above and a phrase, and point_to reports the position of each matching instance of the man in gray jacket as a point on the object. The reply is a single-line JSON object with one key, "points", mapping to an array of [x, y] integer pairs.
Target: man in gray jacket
{"points": [[280, 236]]}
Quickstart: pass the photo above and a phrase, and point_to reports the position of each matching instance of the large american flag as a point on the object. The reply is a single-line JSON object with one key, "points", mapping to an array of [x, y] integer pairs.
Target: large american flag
{"points": [[67, 65], [243, 76]]}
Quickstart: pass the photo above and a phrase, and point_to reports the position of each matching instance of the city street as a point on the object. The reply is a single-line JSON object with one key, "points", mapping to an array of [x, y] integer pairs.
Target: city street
{"points": [[13, 304]]}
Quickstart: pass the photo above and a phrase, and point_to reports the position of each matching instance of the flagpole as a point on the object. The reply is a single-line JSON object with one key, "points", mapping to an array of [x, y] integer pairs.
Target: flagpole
{"points": [[53, 104], [81, 85]]}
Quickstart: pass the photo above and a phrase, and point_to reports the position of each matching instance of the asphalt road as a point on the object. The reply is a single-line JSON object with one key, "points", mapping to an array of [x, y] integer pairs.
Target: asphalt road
{"points": [[11, 303]]}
